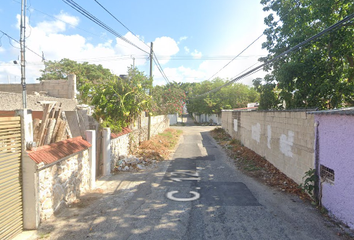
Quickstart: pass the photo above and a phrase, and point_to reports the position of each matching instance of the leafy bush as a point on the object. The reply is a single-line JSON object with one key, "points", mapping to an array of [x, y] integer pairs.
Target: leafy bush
{"points": [[118, 102]]}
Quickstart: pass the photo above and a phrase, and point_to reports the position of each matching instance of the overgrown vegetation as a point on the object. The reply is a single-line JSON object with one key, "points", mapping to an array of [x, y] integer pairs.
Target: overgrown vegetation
{"points": [[118, 102], [319, 75], [159, 146], [168, 99], [308, 186]]}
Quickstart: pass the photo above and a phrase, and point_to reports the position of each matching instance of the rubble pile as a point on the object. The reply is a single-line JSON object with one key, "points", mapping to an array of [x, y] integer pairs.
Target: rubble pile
{"points": [[133, 163]]}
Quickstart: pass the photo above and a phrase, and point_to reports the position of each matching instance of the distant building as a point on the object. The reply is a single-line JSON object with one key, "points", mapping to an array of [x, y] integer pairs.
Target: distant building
{"points": [[252, 105]]}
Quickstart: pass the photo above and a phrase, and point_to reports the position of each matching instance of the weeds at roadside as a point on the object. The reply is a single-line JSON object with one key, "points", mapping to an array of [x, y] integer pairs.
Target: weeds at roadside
{"points": [[159, 146], [255, 165]]}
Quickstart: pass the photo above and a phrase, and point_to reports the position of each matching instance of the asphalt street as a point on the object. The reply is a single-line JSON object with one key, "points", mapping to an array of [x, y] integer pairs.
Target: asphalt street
{"points": [[199, 194]]}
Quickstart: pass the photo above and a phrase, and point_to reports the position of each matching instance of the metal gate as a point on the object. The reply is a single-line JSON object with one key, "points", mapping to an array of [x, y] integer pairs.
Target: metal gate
{"points": [[10, 177]]}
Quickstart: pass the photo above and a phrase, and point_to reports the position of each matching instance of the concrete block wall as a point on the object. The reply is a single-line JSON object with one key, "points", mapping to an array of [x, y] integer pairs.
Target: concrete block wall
{"points": [[202, 118], [285, 139], [140, 127], [173, 118], [54, 88], [231, 122]]}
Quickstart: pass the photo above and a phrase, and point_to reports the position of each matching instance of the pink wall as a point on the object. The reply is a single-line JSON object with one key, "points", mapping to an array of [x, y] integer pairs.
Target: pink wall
{"points": [[336, 151]]}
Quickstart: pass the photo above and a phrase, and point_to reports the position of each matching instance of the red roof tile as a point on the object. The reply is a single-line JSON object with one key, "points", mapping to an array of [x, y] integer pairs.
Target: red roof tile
{"points": [[56, 151], [123, 132]]}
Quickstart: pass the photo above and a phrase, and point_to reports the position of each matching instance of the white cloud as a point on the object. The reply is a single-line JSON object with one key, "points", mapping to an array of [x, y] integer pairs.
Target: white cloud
{"points": [[179, 74], [73, 21], [196, 54], [50, 37], [52, 27], [55, 26], [208, 68], [166, 47], [186, 49], [182, 39]]}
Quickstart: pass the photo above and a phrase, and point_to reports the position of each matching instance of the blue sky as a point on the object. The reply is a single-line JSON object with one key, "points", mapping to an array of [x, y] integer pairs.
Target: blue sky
{"points": [[192, 39]]}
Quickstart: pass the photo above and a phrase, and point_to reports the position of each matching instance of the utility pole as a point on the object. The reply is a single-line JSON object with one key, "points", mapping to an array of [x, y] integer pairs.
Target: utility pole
{"points": [[150, 91], [23, 46]]}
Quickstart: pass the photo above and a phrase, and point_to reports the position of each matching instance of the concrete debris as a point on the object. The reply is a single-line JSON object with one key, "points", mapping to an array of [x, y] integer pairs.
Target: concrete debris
{"points": [[140, 166], [132, 163]]}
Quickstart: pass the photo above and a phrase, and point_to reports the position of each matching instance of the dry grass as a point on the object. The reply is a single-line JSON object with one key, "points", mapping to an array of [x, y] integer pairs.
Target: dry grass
{"points": [[160, 146]]}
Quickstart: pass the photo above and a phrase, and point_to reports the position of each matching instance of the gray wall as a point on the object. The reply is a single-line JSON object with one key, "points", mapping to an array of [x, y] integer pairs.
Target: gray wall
{"points": [[285, 139], [54, 88]]}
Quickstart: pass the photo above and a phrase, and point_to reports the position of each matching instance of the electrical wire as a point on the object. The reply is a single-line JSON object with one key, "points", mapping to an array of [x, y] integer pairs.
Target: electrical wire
{"points": [[245, 70], [29, 16], [160, 68], [159, 65], [154, 58], [206, 57], [276, 58], [236, 56], [51, 16], [94, 19], [64, 21], [120, 22], [9, 37], [1, 39]]}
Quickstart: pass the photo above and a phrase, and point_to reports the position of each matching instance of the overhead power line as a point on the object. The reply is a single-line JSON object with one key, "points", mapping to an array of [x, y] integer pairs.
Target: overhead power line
{"points": [[236, 56], [205, 57], [120, 22], [276, 58], [94, 19], [19, 43], [160, 68]]}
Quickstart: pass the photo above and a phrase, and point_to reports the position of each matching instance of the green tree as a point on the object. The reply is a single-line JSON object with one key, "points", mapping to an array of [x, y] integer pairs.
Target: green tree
{"points": [[320, 74], [235, 95], [87, 75], [118, 102], [268, 96], [168, 99]]}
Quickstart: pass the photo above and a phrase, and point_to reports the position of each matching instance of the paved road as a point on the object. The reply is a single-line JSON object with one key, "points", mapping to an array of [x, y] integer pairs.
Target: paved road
{"points": [[197, 195]]}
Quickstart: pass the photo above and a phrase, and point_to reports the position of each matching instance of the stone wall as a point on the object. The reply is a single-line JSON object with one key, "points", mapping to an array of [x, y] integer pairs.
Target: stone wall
{"points": [[119, 148], [54, 88], [121, 145], [159, 124], [62, 183], [286, 139]]}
